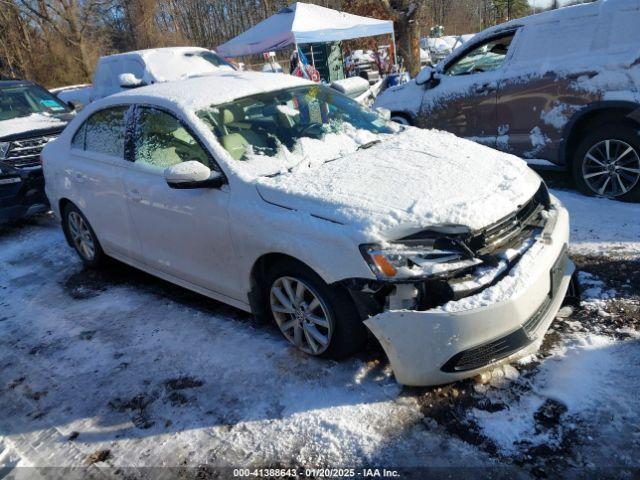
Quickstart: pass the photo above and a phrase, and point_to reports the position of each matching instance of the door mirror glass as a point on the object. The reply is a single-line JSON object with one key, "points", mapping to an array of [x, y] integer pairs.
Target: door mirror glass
{"points": [[425, 75], [129, 80], [192, 174]]}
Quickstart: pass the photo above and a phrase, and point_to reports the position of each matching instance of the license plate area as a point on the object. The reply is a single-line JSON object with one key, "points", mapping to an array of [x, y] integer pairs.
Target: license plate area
{"points": [[557, 272]]}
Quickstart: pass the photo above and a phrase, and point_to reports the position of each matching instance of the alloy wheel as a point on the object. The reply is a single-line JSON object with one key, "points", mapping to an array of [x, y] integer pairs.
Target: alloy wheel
{"points": [[611, 168], [301, 315], [81, 236]]}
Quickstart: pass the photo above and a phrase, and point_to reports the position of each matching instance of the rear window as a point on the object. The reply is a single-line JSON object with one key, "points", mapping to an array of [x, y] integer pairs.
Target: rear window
{"points": [[103, 132]]}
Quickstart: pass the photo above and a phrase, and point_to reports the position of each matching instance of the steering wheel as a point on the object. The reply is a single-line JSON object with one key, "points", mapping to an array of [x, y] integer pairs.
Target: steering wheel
{"points": [[306, 129]]}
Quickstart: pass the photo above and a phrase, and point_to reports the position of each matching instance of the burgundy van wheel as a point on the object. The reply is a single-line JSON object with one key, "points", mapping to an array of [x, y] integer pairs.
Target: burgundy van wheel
{"points": [[607, 163]]}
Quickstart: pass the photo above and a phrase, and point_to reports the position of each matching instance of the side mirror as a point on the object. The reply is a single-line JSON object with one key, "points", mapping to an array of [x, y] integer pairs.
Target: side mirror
{"points": [[74, 106], [192, 174], [129, 80], [425, 75], [384, 113]]}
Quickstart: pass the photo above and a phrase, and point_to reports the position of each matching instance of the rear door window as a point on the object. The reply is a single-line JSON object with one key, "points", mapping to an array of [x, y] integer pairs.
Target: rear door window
{"points": [[103, 132]]}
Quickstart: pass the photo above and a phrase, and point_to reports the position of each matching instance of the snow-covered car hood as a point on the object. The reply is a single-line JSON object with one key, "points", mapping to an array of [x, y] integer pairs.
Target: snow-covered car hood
{"points": [[32, 123], [413, 180]]}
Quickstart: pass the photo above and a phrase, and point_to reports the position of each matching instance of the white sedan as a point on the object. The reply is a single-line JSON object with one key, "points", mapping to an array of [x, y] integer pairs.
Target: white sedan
{"points": [[289, 200]]}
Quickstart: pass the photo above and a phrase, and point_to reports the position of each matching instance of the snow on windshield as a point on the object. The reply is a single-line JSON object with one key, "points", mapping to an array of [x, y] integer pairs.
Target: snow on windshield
{"points": [[277, 131]]}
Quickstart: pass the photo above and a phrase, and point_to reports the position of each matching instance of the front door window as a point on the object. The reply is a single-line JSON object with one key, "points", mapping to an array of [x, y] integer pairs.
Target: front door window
{"points": [[487, 57], [162, 141]]}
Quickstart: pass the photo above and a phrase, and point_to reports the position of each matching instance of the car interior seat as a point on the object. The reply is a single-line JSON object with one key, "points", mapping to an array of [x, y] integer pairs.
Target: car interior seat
{"points": [[161, 135], [237, 134]]}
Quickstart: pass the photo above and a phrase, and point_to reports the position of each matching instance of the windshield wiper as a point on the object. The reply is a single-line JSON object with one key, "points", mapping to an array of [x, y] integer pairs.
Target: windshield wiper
{"points": [[370, 144]]}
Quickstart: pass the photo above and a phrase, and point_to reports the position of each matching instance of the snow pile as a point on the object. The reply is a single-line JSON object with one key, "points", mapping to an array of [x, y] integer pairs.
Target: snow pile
{"points": [[35, 121], [408, 181], [586, 378], [594, 294]]}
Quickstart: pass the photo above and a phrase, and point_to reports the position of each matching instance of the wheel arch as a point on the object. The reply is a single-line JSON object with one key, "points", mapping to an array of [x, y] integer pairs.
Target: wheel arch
{"points": [[406, 115], [62, 204], [258, 274], [596, 114]]}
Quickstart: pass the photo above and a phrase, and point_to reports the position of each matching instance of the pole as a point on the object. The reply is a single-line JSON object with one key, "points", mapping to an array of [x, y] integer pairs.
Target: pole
{"points": [[395, 50]]}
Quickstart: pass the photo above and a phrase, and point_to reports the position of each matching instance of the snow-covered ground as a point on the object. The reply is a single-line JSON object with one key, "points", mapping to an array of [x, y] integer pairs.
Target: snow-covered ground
{"points": [[140, 373]]}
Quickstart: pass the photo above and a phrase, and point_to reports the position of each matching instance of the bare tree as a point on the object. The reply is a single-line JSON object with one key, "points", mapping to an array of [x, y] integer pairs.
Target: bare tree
{"points": [[57, 42]]}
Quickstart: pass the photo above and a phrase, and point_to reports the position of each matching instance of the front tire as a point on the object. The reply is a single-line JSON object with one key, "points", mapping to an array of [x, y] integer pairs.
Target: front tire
{"points": [[400, 118], [607, 163], [318, 319], [82, 237]]}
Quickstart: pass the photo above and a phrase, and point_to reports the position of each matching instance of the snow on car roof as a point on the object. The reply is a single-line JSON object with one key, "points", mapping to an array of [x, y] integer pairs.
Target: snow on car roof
{"points": [[213, 89], [598, 8], [155, 51]]}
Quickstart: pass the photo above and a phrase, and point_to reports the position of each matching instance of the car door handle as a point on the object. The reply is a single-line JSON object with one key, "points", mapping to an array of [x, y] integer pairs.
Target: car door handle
{"points": [[135, 195], [487, 87], [80, 177]]}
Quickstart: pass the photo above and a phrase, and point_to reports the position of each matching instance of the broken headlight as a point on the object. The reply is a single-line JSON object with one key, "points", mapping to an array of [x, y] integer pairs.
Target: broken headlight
{"points": [[440, 251]]}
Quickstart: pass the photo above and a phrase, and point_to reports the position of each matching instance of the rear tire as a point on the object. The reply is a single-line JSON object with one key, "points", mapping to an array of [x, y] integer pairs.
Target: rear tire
{"points": [[82, 237], [607, 163], [289, 292]]}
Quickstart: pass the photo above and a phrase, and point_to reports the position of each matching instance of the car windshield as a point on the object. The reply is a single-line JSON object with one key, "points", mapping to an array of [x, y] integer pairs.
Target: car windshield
{"points": [[213, 58], [24, 100], [295, 123]]}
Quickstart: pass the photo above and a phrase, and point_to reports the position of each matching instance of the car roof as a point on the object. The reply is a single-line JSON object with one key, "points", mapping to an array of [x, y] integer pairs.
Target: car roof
{"points": [[212, 89], [145, 52], [14, 83], [594, 9]]}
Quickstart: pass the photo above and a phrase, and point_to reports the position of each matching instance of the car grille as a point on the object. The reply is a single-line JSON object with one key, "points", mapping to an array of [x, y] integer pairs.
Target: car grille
{"points": [[513, 229], [25, 153]]}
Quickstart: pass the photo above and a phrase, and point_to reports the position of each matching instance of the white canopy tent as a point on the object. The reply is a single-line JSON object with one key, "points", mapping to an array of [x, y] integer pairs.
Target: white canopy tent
{"points": [[301, 23]]}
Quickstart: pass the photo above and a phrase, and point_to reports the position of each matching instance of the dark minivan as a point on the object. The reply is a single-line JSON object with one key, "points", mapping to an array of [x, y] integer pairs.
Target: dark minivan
{"points": [[30, 116]]}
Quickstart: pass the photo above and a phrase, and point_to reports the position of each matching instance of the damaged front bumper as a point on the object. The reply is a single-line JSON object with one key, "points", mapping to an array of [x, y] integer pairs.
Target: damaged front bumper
{"points": [[437, 346]]}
